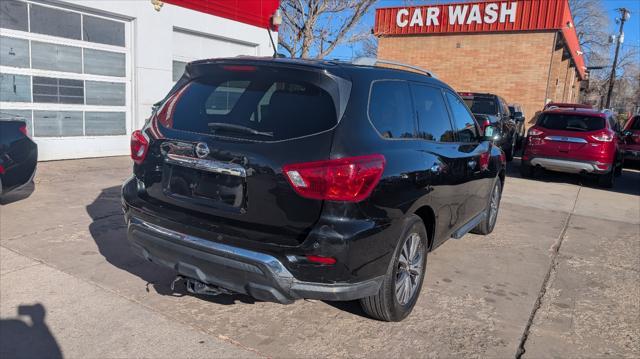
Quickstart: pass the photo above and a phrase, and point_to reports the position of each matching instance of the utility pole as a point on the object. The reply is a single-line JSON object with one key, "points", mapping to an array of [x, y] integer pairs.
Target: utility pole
{"points": [[624, 16]]}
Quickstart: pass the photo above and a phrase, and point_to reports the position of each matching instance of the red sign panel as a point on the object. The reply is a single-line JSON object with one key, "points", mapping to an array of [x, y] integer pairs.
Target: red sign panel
{"points": [[482, 16], [252, 12]]}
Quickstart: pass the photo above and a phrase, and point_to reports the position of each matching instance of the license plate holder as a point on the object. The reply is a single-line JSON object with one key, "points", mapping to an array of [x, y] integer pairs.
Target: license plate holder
{"points": [[204, 188]]}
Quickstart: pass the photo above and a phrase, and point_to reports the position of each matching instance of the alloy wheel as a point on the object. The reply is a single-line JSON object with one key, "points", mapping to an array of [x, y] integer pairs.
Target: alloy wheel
{"points": [[494, 205], [409, 271]]}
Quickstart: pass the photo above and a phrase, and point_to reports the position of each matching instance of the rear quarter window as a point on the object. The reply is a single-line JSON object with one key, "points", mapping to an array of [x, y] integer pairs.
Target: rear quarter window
{"points": [[571, 122], [391, 110], [260, 107]]}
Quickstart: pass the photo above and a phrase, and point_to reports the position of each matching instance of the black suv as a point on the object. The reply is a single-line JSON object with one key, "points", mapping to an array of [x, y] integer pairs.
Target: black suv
{"points": [[494, 110], [286, 179]]}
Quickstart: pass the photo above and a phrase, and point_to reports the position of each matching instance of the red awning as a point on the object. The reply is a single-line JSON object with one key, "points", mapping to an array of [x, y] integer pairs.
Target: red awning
{"points": [[252, 12]]}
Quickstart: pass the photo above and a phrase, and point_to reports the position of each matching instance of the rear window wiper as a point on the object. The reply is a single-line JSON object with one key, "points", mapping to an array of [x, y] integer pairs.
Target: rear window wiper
{"points": [[575, 128], [238, 128]]}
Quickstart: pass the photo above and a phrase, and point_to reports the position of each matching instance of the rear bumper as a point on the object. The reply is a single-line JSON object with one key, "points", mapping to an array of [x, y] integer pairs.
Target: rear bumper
{"points": [[570, 166], [236, 269]]}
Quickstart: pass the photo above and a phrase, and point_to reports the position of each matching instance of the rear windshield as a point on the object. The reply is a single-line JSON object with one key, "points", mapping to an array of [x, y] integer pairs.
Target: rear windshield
{"points": [[566, 122], [256, 105], [482, 105]]}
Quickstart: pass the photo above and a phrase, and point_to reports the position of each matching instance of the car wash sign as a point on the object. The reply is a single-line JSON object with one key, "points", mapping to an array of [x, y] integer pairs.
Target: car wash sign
{"points": [[484, 16]]}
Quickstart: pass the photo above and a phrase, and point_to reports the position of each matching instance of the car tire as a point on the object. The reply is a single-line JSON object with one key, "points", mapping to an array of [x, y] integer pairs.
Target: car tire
{"points": [[619, 167], [607, 180], [526, 170], [391, 304], [489, 222], [509, 153]]}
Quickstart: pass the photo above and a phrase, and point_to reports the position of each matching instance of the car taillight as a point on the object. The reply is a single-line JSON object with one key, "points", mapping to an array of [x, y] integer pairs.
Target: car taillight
{"points": [[1, 170], [139, 146], [23, 129], [350, 179], [534, 132], [603, 137]]}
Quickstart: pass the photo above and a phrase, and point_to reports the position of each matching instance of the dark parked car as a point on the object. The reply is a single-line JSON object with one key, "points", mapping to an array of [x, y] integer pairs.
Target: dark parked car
{"points": [[518, 116], [18, 156], [495, 109], [575, 141], [286, 179]]}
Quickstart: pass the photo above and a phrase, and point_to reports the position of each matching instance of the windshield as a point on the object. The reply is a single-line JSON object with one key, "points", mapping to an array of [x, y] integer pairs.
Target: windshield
{"points": [[259, 105], [482, 105], [567, 122]]}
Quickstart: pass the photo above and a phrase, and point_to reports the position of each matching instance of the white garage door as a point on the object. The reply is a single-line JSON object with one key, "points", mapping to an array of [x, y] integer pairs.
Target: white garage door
{"points": [[189, 46], [67, 74]]}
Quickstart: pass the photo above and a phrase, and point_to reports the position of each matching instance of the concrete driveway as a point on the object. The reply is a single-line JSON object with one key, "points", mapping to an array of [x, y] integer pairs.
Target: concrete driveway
{"points": [[559, 277]]}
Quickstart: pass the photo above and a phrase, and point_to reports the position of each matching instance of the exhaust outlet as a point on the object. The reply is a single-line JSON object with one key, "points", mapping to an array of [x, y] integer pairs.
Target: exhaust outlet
{"points": [[197, 287]]}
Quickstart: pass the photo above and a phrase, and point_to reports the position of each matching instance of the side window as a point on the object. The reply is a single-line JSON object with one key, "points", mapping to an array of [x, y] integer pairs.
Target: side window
{"points": [[390, 109], [465, 125], [433, 118]]}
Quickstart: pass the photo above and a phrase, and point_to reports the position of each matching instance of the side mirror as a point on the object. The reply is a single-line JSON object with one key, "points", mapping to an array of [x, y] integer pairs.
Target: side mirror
{"points": [[627, 133], [489, 133], [483, 120]]}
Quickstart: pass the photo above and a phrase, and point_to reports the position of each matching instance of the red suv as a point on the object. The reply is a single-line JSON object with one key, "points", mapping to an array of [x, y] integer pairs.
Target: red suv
{"points": [[575, 141], [631, 135]]}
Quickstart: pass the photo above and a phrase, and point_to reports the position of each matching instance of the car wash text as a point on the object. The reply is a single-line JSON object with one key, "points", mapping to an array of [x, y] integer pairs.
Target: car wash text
{"points": [[468, 14]]}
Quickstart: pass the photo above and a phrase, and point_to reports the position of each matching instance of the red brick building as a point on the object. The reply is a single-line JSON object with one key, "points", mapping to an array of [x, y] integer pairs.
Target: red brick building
{"points": [[526, 51]]}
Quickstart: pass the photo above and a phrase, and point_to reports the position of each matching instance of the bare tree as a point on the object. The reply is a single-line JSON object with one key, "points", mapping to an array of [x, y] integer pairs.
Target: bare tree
{"points": [[369, 47], [313, 28], [592, 25]]}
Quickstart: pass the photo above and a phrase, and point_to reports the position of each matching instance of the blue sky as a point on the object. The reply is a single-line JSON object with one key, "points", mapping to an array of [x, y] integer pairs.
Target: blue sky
{"points": [[632, 27]]}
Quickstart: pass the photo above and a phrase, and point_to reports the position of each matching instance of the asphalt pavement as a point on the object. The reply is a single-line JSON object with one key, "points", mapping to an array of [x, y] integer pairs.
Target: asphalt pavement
{"points": [[559, 277]]}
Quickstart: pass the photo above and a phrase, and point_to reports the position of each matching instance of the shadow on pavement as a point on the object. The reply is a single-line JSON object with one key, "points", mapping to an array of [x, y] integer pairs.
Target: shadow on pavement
{"points": [[628, 183], [18, 194], [21, 339], [109, 232]]}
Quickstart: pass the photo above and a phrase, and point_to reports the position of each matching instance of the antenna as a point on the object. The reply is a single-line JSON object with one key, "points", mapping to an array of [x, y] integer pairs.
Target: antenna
{"points": [[276, 20]]}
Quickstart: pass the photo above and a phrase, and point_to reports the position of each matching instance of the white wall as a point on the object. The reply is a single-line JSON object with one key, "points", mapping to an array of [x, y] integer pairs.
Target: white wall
{"points": [[153, 36]]}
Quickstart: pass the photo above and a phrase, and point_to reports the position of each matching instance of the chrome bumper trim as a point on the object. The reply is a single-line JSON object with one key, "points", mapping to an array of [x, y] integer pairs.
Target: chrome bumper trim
{"points": [[277, 269], [207, 165], [564, 166]]}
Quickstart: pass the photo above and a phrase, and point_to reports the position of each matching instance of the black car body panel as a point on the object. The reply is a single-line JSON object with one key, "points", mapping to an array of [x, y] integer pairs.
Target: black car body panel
{"points": [[18, 156], [446, 183]]}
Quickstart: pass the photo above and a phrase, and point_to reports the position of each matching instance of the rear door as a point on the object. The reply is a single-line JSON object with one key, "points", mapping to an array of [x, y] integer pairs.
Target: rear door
{"points": [[444, 165], [223, 138], [472, 160]]}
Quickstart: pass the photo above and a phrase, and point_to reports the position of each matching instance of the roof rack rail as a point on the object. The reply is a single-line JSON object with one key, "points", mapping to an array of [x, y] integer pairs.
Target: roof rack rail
{"points": [[371, 61]]}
